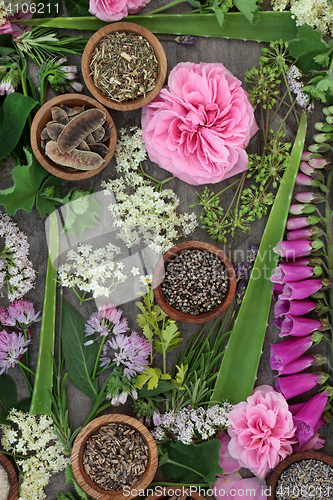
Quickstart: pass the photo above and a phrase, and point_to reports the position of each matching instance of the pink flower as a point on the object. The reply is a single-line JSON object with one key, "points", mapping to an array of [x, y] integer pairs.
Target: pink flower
{"points": [[113, 10], [15, 29], [22, 313], [316, 443], [297, 248], [228, 463], [289, 350], [303, 234], [300, 289], [294, 385], [294, 307], [262, 431], [300, 222], [308, 419], [198, 126], [298, 326], [12, 346], [131, 352], [309, 197], [285, 272], [234, 486]]}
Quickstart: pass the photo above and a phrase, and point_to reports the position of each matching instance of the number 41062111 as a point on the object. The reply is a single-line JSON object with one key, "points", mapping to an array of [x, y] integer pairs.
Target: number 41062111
{"points": [[32, 8]]}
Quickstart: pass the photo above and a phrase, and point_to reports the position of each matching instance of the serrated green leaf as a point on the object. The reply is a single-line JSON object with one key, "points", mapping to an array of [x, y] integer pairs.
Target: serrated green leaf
{"points": [[16, 108], [27, 181], [308, 44], [191, 463], [169, 338], [324, 84], [8, 392], [247, 8], [46, 206], [79, 359], [150, 376]]}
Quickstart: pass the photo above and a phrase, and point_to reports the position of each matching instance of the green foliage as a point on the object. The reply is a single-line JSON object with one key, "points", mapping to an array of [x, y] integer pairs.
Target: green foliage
{"points": [[79, 359], [151, 376], [191, 463], [16, 109], [307, 46], [81, 211], [29, 189], [77, 8], [8, 392]]}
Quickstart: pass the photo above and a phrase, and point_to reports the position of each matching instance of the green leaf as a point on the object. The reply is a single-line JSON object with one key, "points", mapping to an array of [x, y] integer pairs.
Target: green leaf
{"points": [[3, 418], [6, 40], [191, 463], [79, 359], [27, 181], [46, 206], [246, 341], [23, 405], [272, 26], [81, 212], [8, 392], [247, 8], [169, 338], [162, 388], [16, 108], [308, 44], [77, 8]]}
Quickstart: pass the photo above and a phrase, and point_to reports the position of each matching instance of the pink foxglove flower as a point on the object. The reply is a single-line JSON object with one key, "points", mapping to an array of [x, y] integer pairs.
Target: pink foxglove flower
{"points": [[316, 443], [227, 462], [300, 289], [293, 307], [113, 10], [262, 431], [309, 197], [303, 180], [289, 350], [234, 486], [298, 326], [297, 248], [198, 126], [309, 418], [285, 272], [299, 365], [318, 162], [301, 208], [303, 234], [12, 346], [294, 385]]}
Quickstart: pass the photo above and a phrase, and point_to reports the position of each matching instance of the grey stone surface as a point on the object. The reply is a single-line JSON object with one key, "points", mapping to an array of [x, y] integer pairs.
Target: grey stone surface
{"points": [[238, 57]]}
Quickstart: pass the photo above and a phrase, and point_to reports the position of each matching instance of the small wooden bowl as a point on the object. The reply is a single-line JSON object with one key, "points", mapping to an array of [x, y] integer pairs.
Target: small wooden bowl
{"points": [[77, 457], [158, 278], [12, 477], [305, 455], [178, 491], [159, 53], [44, 115]]}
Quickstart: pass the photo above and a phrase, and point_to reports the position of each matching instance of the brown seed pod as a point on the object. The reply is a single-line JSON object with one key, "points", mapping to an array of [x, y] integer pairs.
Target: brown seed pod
{"points": [[99, 148], [59, 115], [98, 134], [107, 134], [80, 160], [78, 128], [69, 111], [54, 129], [83, 146]]}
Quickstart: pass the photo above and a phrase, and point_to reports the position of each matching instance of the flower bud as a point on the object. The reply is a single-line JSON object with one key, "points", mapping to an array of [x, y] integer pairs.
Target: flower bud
{"points": [[325, 137], [307, 155], [323, 127], [297, 248], [299, 208], [318, 162], [300, 222], [328, 110], [319, 148], [309, 197], [303, 234]]}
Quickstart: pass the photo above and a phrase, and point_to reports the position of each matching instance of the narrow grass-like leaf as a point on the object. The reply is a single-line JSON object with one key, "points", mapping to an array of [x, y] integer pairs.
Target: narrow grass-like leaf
{"points": [[271, 26], [79, 359], [240, 363], [41, 397]]}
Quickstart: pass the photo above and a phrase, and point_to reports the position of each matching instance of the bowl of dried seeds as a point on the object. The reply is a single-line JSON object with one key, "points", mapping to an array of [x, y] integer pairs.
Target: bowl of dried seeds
{"points": [[73, 136], [194, 282], [124, 66], [114, 457], [8, 479], [302, 475]]}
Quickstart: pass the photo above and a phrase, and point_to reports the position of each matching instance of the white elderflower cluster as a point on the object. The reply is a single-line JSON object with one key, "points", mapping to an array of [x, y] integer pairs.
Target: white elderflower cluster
{"points": [[189, 423], [34, 437], [141, 212], [293, 76], [316, 13], [93, 270]]}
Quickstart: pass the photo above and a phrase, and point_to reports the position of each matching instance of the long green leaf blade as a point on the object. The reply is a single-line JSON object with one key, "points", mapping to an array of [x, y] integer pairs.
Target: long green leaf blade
{"points": [[271, 25], [240, 363], [41, 397]]}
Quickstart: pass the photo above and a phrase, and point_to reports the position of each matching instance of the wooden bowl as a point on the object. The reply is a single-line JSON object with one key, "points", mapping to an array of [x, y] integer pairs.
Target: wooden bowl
{"points": [[178, 491], [305, 455], [12, 477], [159, 53], [77, 457], [175, 313], [44, 115]]}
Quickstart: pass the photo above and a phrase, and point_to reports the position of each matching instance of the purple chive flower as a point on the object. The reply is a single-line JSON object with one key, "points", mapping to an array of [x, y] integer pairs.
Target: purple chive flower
{"points": [[309, 197], [297, 248], [298, 290], [300, 208], [105, 321], [22, 314], [285, 272], [6, 320], [299, 365], [294, 385], [294, 307], [132, 352], [298, 326], [12, 346], [303, 234], [289, 350], [308, 419]]}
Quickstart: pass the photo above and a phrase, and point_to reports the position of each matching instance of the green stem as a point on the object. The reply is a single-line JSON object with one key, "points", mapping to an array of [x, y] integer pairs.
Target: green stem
{"points": [[24, 367], [293, 101], [26, 377], [97, 357], [95, 408], [286, 116], [165, 7]]}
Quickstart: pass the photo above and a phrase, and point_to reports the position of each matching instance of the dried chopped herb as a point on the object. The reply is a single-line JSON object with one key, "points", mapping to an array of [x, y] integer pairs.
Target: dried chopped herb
{"points": [[124, 66]]}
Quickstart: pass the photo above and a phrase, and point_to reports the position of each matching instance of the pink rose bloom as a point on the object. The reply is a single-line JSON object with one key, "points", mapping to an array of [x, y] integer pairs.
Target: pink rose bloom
{"points": [[262, 431], [198, 126], [234, 486], [15, 29], [113, 10]]}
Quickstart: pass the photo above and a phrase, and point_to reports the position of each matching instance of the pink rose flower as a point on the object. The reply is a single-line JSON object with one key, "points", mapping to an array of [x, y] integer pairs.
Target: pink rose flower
{"points": [[198, 126], [113, 10], [234, 486], [262, 431]]}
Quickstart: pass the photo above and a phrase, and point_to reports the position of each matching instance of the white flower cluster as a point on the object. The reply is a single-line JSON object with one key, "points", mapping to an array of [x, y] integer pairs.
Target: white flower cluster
{"points": [[93, 270], [316, 13], [293, 76], [35, 438], [189, 423], [142, 213], [16, 270]]}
